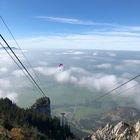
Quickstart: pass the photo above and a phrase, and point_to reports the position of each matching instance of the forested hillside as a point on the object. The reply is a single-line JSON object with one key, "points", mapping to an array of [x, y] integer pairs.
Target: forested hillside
{"points": [[17, 123]]}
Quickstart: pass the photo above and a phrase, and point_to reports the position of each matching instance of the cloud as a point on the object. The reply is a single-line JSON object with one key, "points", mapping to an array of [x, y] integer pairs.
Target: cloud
{"points": [[131, 29], [111, 54], [112, 28], [5, 59], [76, 58], [98, 83], [70, 20], [4, 83], [104, 66], [78, 52], [94, 82], [95, 54], [127, 75], [80, 77], [128, 64], [82, 41], [3, 70], [131, 62], [106, 36], [119, 67], [73, 52], [47, 71], [11, 95], [58, 74], [64, 77], [79, 70], [121, 30], [18, 73], [42, 63], [130, 89]]}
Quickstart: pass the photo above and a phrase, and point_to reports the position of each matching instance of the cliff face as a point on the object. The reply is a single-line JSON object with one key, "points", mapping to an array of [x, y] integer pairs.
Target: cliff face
{"points": [[121, 131], [42, 105]]}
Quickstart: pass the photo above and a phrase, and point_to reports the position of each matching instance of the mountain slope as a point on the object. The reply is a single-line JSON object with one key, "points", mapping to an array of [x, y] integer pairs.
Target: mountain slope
{"points": [[121, 131], [18, 123]]}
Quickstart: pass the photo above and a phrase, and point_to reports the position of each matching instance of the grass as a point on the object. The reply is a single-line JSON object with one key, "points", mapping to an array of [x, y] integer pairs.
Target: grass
{"points": [[87, 112]]}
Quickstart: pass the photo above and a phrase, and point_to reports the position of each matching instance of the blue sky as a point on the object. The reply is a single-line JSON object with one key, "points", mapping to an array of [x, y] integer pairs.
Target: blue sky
{"points": [[95, 24]]}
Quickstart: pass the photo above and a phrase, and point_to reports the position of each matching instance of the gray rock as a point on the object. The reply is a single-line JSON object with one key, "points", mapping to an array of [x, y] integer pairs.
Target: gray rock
{"points": [[121, 131], [42, 105]]}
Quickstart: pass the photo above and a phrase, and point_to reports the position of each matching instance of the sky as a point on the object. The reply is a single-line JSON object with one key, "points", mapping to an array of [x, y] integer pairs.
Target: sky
{"points": [[76, 24], [72, 24]]}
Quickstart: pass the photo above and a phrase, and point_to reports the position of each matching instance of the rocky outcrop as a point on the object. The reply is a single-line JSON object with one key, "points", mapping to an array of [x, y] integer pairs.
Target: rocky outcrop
{"points": [[121, 131], [42, 105]]}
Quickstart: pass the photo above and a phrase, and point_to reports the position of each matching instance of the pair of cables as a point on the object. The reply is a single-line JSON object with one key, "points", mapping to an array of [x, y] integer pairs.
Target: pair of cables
{"points": [[17, 60]]}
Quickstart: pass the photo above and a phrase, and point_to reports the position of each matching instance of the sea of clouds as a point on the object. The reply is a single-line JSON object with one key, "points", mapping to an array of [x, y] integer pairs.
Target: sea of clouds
{"points": [[93, 70]]}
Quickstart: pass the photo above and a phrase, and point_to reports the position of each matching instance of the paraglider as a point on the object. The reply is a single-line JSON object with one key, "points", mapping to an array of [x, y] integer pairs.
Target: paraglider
{"points": [[61, 67]]}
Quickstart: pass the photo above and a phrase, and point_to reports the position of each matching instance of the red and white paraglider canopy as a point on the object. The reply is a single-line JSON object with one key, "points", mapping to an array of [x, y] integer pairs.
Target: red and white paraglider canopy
{"points": [[61, 66]]}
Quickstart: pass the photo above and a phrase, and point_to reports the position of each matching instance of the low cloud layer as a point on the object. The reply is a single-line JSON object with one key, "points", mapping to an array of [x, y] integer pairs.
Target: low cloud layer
{"points": [[104, 66], [97, 72], [79, 77], [96, 83], [100, 41], [74, 52]]}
